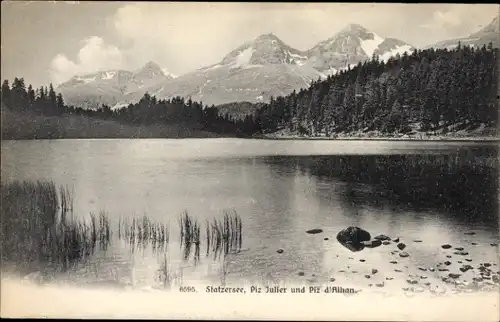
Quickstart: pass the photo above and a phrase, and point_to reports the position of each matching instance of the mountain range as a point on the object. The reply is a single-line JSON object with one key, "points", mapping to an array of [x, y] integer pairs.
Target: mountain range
{"points": [[258, 69]]}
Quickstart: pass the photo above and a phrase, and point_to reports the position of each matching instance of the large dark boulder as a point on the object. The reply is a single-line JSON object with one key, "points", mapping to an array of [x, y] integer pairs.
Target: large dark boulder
{"points": [[353, 234], [353, 238]]}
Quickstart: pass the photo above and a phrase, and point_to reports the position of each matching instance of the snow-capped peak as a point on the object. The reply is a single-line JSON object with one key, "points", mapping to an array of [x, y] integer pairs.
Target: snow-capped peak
{"points": [[266, 49]]}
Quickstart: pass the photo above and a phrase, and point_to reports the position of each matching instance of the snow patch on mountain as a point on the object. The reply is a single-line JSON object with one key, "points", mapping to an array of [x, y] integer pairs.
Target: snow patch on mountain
{"points": [[86, 80], [398, 50], [167, 73], [243, 59], [370, 45], [108, 75]]}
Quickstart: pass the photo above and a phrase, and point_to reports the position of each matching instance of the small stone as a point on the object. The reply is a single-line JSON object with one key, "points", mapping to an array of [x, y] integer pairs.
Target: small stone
{"points": [[470, 233], [412, 281], [393, 262], [449, 256], [473, 243], [279, 251], [401, 246], [486, 264], [326, 238], [380, 284], [494, 244], [443, 270], [459, 248], [341, 271], [374, 271], [404, 254], [367, 276], [354, 272], [427, 283], [386, 242], [447, 263], [422, 268], [417, 241], [362, 260], [314, 231], [370, 285], [460, 262], [398, 270], [446, 246], [389, 278], [432, 269], [332, 279], [454, 276], [423, 277], [301, 274], [461, 253], [468, 259], [396, 240]]}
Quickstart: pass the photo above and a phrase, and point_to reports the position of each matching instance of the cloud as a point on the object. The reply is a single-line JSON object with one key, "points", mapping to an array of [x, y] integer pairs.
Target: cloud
{"points": [[460, 19], [93, 56]]}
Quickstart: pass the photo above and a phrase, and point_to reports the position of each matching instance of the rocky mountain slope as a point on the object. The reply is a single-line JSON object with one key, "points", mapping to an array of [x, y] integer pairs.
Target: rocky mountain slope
{"points": [[253, 72], [490, 33], [111, 86]]}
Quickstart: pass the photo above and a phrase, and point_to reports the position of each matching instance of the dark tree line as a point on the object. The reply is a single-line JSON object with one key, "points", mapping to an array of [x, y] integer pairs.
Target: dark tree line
{"points": [[427, 89], [148, 110]]}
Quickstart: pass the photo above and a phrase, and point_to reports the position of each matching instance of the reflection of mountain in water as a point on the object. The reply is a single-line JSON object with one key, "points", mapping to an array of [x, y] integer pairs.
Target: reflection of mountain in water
{"points": [[463, 182]]}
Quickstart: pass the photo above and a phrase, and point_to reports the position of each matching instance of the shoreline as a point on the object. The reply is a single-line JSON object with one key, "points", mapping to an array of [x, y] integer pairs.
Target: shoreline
{"points": [[404, 139], [479, 139]]}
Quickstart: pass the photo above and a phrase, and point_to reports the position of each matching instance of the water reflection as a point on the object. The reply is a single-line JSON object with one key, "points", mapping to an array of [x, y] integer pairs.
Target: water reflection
{"points": [[460, 183]]}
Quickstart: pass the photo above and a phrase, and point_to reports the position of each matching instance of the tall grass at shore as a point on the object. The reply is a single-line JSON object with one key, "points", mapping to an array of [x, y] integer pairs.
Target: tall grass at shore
{"points": [[38, 226], [39, 232]]}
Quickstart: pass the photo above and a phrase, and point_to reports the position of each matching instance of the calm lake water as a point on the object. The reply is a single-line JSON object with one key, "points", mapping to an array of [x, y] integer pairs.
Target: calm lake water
{"points": [[433, 191]]}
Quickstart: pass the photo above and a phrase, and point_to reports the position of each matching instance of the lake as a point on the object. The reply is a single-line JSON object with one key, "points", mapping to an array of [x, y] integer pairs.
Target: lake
{"points": [[424, 193]]}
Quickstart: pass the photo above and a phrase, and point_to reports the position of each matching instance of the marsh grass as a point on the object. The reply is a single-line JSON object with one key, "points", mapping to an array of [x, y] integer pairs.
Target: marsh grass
{"points": [[39, 232], [38, 227], [190, 236], [225, 236], [141, 232]]}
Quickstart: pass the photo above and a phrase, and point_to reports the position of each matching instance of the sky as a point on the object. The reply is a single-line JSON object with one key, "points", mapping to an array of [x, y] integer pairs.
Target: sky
{"points": [[51, 41]]}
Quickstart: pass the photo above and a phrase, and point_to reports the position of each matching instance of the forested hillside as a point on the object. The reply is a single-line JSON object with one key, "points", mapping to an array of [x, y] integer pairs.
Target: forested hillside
{"points": [[430, 91], [424, 91]]}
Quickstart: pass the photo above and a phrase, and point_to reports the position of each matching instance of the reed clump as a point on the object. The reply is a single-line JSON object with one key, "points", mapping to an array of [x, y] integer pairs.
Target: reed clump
{"points": [[142, 232], [190, 235], [226, 235], [38, 226]]}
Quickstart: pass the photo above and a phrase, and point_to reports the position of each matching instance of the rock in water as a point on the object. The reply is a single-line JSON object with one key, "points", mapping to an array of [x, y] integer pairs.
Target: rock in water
{"points": [[446, 246], [396, 240], [279, 251], [314, 231], [353, 238], [386, 242], [404, 254], [353, 234], [401, 246], [382, 237]]}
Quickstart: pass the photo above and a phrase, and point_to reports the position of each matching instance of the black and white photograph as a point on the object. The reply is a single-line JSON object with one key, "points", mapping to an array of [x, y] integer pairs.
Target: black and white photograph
{"points": [[213, 160]]}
